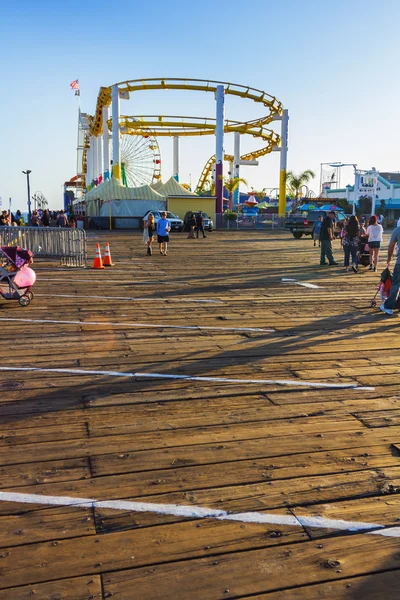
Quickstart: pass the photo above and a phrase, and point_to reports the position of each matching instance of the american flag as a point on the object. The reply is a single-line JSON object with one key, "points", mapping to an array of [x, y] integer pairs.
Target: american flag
{"points": [[75, 84]]}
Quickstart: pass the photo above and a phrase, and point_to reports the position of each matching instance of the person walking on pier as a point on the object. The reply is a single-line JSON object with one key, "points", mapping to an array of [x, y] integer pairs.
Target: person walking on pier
{"points": [[375, 237], [326, 236], [163, 229], [350, 243], [200, 224], [148, 234]]}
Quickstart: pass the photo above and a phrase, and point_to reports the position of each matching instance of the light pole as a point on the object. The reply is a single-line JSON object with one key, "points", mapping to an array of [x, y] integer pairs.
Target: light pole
{"points": [[29, 193]]}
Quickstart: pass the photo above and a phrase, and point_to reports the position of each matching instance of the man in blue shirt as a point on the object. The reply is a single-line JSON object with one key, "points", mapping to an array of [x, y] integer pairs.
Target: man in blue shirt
{"points": [[389, 304], [163, 229]]}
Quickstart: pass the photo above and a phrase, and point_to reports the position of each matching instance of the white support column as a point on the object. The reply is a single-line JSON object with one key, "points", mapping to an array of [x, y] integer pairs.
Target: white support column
{"points": [[115, 132], [355, 194], [95, 157], [219, 148], [89, 163], [236, 166], [176, 157], [99, 155], [348, 188], [106, 142]]}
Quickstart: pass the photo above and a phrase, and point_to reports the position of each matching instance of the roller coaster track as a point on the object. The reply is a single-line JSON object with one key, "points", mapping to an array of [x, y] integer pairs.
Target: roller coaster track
{"points": [[194, 126]]}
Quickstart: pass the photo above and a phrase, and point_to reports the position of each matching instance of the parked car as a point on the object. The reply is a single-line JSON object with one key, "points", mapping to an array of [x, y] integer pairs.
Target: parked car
{"points": [[208, 224], [302, 223], [176, 222]]}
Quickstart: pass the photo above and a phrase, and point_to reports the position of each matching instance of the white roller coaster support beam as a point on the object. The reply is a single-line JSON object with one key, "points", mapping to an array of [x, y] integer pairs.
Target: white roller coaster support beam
{"points": [[95, 160], [115, 132], [106, 142], [99, 155], [176, 157], [89, 162], [283, 166], [236, 166], [219, 148]]}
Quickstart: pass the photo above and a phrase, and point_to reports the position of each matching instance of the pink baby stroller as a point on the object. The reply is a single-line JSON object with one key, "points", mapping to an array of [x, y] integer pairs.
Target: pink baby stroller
{"points": [[16, 278]]}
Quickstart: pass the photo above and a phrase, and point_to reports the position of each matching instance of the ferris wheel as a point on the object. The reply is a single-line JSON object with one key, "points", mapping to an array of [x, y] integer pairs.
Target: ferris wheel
{"points": [[140, 160]]}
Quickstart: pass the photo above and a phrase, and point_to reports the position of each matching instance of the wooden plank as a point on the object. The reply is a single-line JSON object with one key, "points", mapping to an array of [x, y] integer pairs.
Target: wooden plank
{"points": [[379, 418], [27, 474], [77, 588], [163, 417], [46, 524], [50, 433]]}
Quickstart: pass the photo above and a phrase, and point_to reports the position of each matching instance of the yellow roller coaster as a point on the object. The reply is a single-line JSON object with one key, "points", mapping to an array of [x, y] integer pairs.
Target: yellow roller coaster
{"points": [[158, 125], [193, 126]]}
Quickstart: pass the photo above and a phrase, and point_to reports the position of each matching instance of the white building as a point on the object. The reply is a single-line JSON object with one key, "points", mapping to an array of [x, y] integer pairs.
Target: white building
{"points": [[387, 189]]}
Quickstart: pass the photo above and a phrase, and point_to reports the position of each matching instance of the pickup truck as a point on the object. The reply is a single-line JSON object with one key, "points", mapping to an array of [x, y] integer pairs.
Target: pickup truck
{"points": [[302, 223]]}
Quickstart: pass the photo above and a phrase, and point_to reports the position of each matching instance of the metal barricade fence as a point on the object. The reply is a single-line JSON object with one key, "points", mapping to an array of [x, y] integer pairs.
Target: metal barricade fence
{"points": [[245, 221], [68, 245]]}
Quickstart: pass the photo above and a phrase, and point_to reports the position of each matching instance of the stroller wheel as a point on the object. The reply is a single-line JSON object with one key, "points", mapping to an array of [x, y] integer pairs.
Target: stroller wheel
{"points": [[30, 294], [25, 300], [373, 303]]}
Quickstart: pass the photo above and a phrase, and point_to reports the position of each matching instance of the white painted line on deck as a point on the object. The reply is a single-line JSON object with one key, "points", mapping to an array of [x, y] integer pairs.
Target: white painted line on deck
{"points": [[289, 382], [144, 299], [302, 283], [199, 512], [121, 282], [138, 325]]}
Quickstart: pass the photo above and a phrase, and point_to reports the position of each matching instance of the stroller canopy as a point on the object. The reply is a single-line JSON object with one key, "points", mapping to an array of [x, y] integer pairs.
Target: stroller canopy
{"points": [[16, 255]]}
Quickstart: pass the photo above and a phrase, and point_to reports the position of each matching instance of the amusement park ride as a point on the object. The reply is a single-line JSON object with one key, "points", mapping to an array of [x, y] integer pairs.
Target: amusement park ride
{"points": [[129, 143]]}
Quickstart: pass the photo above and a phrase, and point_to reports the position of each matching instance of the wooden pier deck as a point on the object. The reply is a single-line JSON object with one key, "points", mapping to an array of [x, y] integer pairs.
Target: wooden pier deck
{"points": [[289, 452]]}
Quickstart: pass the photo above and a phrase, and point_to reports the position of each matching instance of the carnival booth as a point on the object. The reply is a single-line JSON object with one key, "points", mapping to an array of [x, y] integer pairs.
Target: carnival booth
{"points": [[180, 200]]}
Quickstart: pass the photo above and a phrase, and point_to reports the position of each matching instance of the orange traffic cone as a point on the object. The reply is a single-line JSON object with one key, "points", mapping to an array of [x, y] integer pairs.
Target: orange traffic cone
{"points": [[107, 256], [97, 259]]}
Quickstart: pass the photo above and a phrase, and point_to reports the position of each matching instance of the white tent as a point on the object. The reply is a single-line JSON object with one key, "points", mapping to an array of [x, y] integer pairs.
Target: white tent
{"points": [[173, 188], [112, 197]]}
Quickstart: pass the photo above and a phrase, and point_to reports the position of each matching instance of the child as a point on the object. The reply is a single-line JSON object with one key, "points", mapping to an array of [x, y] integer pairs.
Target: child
{"points": [[385, 284], [316, 231]]}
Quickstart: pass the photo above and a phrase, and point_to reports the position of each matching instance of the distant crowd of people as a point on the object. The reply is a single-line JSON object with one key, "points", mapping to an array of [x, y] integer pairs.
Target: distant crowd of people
{"points": [[356, 237], [361, 242], [39, 218]]}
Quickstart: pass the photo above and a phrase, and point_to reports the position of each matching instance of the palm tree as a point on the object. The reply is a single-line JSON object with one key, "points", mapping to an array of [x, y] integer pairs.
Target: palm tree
{"points": [[296, 182], [208, 188], [231, 185]]}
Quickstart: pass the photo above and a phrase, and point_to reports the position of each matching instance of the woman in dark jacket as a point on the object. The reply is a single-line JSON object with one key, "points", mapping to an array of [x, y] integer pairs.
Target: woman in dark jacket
{"points": [[350, 243]]}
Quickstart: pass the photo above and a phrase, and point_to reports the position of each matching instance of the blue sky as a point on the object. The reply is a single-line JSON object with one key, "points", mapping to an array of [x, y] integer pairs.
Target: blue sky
{"points": [[334, 65]]}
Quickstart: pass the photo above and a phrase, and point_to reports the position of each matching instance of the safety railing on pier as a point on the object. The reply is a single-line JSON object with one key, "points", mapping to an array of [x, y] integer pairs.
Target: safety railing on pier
{"points": [[260, 221], [67, 245]]}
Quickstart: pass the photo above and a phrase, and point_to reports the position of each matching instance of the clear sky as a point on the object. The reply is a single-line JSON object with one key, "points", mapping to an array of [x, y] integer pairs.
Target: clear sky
{"points": [[334, 65]]}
